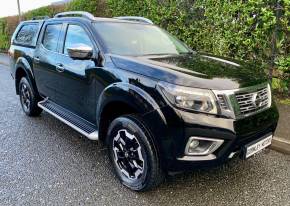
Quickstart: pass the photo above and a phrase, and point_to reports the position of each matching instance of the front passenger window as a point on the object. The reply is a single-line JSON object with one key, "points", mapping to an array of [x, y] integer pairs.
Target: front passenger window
{"points": [[76, 35]]}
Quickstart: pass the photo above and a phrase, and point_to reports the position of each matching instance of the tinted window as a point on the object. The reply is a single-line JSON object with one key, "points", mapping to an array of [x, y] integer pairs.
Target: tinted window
{"points": [[27, 34], [51, 36], [75, 36]]}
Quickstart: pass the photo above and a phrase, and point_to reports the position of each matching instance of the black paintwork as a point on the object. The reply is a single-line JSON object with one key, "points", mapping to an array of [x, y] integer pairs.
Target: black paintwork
{"points": [[87, 87], [194, 70]]}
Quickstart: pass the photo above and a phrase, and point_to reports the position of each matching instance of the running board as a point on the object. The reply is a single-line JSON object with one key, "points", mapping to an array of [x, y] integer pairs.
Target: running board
{"points": [[79, 124]]}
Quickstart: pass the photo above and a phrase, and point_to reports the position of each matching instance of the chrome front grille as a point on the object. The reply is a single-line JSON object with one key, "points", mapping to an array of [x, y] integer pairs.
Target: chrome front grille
{"points": [[254, 101], [243, 102]]}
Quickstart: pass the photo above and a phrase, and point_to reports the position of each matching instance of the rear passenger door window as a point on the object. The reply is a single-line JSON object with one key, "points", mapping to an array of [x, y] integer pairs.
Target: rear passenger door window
{"points": [[51, 36], [76, 36], [27, 34]]}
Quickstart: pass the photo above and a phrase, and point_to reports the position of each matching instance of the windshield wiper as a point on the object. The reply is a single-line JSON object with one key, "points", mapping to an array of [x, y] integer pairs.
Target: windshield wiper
{"points": [[158, 54], [169, 54]]}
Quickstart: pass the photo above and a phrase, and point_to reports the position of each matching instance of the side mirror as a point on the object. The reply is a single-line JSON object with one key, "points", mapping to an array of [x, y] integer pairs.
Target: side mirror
{"points": [[80, 51]]}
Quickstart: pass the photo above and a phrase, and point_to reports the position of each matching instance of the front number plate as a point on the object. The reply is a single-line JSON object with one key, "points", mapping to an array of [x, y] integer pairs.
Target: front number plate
{"points": [[253, 148]]}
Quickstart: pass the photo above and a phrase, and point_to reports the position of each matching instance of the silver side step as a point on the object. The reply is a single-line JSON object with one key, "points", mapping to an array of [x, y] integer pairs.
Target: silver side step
{"points": [[79, 124]]}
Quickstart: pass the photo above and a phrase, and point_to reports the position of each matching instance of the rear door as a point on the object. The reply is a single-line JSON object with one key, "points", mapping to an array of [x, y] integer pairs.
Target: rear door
{"points": [[45, 60]]}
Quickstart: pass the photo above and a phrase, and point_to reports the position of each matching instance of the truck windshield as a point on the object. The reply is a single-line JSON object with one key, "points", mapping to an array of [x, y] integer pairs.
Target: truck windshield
{"points": [[138, 39]]}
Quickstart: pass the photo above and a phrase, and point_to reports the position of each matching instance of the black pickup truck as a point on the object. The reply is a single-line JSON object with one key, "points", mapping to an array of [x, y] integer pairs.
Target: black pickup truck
{"points": [[158, 105]]}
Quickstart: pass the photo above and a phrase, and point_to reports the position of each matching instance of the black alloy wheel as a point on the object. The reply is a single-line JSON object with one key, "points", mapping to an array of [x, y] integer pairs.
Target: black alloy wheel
{"points": [[28, 98], [25, 97], [133, 154], [128, 154]]}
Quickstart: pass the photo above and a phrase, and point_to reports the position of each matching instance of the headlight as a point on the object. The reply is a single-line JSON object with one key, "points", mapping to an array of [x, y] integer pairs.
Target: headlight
{"points": [[200, 100]]}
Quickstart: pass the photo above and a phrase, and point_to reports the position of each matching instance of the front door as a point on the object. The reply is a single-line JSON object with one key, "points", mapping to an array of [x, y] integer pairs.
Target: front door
{"points": [[77, 90]]}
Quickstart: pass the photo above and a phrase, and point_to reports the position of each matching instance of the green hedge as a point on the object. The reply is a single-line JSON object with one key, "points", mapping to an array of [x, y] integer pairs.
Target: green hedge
{"points": [[4, 37], [96, 7], [235, 28], [257, 30], [4, 42], [83, 5]]}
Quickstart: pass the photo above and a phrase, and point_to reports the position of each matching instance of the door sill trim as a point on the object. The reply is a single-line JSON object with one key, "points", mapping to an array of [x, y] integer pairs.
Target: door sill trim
{"points": [[92, 135]]}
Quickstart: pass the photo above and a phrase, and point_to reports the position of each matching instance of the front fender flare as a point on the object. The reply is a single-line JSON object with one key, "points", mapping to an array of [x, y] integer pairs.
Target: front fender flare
{"points": [[144, 104], [129, 94]]}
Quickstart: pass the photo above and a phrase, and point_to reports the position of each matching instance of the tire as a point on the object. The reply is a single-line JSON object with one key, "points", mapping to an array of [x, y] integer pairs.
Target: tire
{"points": [[132, 152], [28, 98]]}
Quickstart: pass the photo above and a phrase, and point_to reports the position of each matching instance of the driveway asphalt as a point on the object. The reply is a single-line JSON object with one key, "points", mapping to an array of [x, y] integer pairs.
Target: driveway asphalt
{"points": [[45, 162], [4, 60]]}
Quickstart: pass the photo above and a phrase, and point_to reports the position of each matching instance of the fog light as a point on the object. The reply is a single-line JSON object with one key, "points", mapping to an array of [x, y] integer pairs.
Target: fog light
{"points": [[202, 146], [193, 145]]}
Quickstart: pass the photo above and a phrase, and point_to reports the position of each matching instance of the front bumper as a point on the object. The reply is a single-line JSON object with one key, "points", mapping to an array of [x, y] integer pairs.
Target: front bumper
{"points": [[173, 130]]}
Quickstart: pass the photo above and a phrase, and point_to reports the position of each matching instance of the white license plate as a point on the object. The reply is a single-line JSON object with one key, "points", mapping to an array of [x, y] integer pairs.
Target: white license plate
{"points": [[253, 148]]}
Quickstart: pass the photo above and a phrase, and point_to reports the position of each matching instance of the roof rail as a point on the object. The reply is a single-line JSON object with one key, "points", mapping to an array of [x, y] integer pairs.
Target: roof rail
{"points": [[135, 18], [40, 17], [83, 14]]}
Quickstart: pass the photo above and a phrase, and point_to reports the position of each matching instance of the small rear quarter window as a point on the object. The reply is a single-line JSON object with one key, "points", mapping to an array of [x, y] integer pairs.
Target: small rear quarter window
{"points": [[27, 34]]}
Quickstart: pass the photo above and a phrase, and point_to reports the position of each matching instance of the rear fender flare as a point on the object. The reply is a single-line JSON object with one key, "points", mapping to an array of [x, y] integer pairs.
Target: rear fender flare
{"points": [[23, 64]]}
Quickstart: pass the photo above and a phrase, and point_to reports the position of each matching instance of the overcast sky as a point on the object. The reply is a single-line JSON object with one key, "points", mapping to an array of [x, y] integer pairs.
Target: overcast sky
{"points": [[9, 7]]}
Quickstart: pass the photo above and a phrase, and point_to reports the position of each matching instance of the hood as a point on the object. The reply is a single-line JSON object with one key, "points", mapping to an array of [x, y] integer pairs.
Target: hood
{"points": [[194, 70]]}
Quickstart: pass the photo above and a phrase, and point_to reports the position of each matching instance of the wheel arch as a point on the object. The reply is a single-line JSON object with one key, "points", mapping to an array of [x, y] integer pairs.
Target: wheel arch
{"points": [[23, 69], [122, 99]]}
